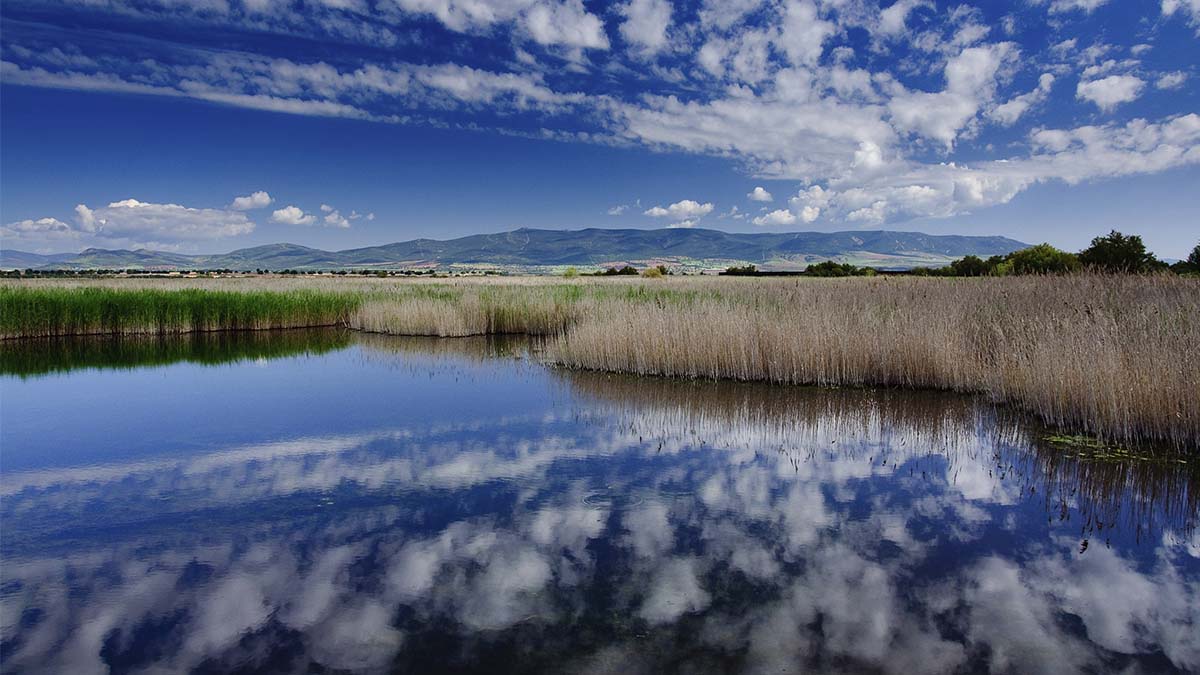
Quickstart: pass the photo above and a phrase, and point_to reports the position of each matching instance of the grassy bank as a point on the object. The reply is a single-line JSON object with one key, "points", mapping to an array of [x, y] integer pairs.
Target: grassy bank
{"points": [[1112, 356], [51, 311]]}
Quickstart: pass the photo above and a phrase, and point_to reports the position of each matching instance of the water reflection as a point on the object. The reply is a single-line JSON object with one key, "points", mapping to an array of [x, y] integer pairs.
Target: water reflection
{"points": [[30, 358], [613, 524]]}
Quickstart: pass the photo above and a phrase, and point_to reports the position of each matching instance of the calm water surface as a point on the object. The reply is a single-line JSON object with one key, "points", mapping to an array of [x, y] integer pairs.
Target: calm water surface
{"points": [[324, 502]]}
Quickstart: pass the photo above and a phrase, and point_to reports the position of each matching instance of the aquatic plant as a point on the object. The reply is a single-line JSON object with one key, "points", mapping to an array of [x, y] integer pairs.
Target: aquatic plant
{"points": [[47, 311]]}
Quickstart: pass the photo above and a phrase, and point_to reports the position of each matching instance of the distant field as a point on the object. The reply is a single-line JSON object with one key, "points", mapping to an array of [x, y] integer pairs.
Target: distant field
{"points": [[1111, 356]]}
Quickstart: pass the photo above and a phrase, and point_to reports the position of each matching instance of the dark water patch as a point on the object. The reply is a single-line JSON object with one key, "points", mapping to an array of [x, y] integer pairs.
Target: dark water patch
{"points": [[33, 357]]}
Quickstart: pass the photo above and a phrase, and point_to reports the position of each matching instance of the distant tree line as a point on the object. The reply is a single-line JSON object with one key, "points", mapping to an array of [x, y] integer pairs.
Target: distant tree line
{"points": [[141, 272], [1114, 253]]}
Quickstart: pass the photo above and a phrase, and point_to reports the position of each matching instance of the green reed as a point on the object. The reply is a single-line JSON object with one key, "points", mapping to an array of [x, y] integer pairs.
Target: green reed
{"points": [[55, 311]]}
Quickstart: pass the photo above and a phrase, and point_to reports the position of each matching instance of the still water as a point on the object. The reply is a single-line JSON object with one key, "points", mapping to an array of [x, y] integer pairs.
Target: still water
{"points": [[327, 502]]}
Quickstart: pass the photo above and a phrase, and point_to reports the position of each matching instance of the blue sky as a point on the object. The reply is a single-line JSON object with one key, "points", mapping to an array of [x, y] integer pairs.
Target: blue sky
{"points": [[209, 125]]}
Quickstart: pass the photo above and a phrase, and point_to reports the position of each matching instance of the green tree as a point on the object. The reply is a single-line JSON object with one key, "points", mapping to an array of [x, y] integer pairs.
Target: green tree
{"points": [[1040, 259], [748, 270], [969, 266], [1116, 252], [830, 268], [1191, 265]]}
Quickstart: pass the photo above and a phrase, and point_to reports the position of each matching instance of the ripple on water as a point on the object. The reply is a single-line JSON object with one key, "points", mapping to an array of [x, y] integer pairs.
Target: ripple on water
{"points": [[612, 499]]}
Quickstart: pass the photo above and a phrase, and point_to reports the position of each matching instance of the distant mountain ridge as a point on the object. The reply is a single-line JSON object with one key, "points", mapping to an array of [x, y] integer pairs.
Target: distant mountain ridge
{"points": [[532, 248]]}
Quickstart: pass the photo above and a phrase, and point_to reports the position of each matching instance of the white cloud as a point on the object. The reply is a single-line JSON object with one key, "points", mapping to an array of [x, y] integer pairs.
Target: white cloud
{"points": [[293, 215], [892, 19], [254, 200], [618, 210], [645, 25], [1190, 8], [1173, 80], [335, 219], [325, 208], [42, 229], [133, 219], [777, 217], [1009, 112], [759, 194], [1068, 155], [565, 23], [1109, 92], [685, 209], [547, 22], [1087, 6], [803, 33], [970, 82]]}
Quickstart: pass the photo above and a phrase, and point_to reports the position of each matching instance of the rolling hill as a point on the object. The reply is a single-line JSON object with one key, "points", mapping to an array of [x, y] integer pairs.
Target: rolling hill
{"points": [[531, 249]]}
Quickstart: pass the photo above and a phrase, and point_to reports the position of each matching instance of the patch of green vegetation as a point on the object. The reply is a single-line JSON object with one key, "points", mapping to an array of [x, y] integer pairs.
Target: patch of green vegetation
{"points": [[1091, 449], [51, 311]]}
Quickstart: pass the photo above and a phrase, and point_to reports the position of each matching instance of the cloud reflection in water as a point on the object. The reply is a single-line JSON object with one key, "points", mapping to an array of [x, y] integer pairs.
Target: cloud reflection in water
{"points": [[628, 525]]}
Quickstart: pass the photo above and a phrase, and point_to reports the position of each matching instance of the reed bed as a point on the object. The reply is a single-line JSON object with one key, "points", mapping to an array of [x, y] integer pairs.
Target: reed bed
{"points": [[30, 311], [1113, 356]]}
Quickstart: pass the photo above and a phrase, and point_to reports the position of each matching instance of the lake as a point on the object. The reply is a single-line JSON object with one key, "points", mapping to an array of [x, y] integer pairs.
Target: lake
{"points": [[321, 501]]}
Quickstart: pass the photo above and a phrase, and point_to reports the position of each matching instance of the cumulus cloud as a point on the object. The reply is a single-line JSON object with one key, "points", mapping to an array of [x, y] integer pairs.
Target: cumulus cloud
{"points": [[1068, 155], [1086, 6], [292, 215], [548, 22], [645, 25], [777, 217], [335, 219], [254, 200], [970, 82], [1172, 80], [759, 194], [133, 219], [892, 19], [1009, 112], [618, 210], [1109, 92], [42, 229], [683, 210]]}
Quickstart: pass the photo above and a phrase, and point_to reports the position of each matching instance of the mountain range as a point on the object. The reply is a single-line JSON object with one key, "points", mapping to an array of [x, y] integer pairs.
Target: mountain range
{"points": [[533, 249]]}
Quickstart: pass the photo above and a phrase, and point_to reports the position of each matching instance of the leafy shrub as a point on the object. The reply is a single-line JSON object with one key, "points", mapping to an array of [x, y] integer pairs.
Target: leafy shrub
{"points": [[1040, 259]]}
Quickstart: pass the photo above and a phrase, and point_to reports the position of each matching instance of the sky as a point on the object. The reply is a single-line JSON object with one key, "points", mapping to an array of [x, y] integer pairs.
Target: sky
{"points": [[203, 126]]}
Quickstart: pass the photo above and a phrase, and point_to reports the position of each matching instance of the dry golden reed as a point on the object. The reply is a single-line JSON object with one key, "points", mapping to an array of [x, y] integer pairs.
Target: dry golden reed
{"points": [[1117, 357]]}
